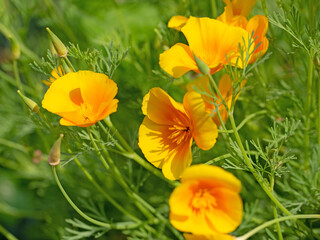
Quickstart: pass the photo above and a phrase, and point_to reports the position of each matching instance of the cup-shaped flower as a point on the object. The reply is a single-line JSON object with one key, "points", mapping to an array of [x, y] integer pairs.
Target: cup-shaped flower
{"points": [[206, 202], [235, 14], [81, 98], [225, 88], [212, 41], [167, 132], [177, 22]]}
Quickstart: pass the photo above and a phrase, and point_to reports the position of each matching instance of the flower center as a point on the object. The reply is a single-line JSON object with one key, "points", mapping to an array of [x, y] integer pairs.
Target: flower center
{"points": [[86, 111], [178, 133], [203, 199]]}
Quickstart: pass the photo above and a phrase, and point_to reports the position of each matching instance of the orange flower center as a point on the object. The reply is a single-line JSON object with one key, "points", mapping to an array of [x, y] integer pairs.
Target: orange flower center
{"points": [[178, 133], [86, 111], [203, 199]]}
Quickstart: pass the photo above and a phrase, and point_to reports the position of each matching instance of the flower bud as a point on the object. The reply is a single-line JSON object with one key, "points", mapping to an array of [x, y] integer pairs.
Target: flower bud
{"points": [[15, 48], [54, 156], [58, 45], [203, 67], [32, 105]]}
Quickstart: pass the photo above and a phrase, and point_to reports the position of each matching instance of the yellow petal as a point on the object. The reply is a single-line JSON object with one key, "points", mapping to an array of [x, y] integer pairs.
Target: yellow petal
{"points": [[242, 7], [179, 201], [204, 130], [163, 109], [179, 159], [177, 22], [152, 142], [178, 60], [213, 48], [214, 174]]}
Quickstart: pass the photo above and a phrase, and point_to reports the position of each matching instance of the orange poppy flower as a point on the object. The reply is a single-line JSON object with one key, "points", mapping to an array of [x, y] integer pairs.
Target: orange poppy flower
{"points": [[167, 132], [216, 236], [212, 49], [81, 98], [225, 88], [207, 201], [235, 14]]}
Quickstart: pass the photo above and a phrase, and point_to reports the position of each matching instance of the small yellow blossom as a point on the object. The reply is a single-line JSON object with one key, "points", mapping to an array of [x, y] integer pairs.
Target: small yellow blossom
{"points": [[81, 98]]}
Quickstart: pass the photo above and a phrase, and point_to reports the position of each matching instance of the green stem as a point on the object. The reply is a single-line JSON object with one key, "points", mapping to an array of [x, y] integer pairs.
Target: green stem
{"points": [[308, 108], [319, 110], [5, 233], [224, 156], [111, 136], [257, 176], [214, 9], [269, 223], [100, 189], [17, 76], [265, 10], [275, 214], [69, 64], [89, 219]]}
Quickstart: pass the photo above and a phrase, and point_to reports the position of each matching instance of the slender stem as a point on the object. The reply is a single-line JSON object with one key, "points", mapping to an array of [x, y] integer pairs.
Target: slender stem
{"points": [[107, 196], [257, 176], [308, 108], [224, 156], [17, 76], [269, 223], [275, 214], [82, 214], [5, 233], [111, 136], [265, 10], [213, 9], [319, 110], [69, 63]]}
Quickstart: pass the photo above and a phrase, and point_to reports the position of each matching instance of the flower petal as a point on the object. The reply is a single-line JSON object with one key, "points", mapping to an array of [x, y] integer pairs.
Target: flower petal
{"points": [[204, 130], [212, 174], [241, 7], [213, 48], [178, 60], [216, 236], [177, 22], [179, 159], [152, 142], [163, 109], [227, 216]]}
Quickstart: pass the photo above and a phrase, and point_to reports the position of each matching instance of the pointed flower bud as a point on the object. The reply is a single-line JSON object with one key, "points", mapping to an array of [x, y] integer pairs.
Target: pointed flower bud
{"points": [[58, 45], [54, 156], [203, 67], [32, 105], [15, 48]]}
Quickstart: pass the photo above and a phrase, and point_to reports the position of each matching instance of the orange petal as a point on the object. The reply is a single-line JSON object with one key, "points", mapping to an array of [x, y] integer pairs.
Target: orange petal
{"points": [[178, 60], [227, 216], [180, 198], [179, 159], [216, 175], [204, 130], [177, 22], [242, 7], [163, 109], [213, 48]]}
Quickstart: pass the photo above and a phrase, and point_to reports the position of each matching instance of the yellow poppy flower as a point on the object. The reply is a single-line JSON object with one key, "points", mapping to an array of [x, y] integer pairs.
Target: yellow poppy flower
{"points": [[167, 132], [81, 98], [212, 49], [225, 88], [216, 236], [235, 14], [55, 73], [207, 201]]}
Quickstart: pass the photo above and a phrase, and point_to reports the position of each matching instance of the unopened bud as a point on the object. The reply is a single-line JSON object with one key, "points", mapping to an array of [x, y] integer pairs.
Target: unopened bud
{"points": [[15, 48], [203, 67], [54, 156], [58, 45], [32, 105], [52, 49]]}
